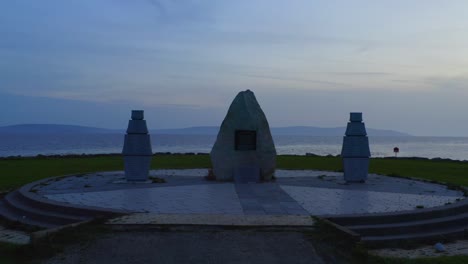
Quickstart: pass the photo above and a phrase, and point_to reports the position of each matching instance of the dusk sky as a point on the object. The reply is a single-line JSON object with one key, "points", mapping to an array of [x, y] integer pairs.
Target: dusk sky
{"points": [[404, 64]]}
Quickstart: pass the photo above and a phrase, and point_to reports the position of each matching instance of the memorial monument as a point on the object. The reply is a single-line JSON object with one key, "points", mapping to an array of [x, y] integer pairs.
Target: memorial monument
{"points": [[137, 148], [244, 150], [355, 151]]}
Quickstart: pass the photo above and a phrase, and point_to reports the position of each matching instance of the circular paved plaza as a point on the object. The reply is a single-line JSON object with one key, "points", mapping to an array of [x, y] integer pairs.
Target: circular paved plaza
{"points": [[294, 192]]}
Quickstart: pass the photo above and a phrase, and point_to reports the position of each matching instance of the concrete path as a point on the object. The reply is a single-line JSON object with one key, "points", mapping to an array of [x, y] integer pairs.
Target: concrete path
{"points": [[14, 236], [214, 220], [223, 246]]}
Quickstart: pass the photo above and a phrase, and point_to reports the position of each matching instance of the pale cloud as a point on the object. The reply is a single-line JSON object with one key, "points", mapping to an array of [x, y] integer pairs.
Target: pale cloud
{"points": [[450, 84]]}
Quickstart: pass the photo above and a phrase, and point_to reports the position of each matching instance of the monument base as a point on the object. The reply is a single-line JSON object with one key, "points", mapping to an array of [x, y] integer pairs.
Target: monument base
{"points": [[355, 169], [137, 167], [247, 174]]}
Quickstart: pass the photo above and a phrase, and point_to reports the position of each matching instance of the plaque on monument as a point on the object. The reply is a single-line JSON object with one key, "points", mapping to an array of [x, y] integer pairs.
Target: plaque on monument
{"points": [[246, 140]]}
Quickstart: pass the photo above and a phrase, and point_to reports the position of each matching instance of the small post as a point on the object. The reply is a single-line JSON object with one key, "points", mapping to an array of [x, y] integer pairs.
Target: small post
{"points": [[396, 150]]}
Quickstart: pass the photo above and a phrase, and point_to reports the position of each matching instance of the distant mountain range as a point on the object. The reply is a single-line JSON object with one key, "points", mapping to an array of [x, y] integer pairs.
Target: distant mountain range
{"points": [[56, 129], [202, 130]]}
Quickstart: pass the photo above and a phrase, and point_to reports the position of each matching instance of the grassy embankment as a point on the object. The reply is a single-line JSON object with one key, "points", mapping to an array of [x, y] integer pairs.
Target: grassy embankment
{"points": [[17, 172]]}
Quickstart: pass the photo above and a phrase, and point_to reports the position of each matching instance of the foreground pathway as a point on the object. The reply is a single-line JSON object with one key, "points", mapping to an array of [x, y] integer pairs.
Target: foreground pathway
{"points": [[14, 236], [196, 246]]}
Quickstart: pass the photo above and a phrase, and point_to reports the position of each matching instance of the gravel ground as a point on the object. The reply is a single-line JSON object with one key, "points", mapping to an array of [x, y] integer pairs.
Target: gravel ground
{"points": [[452, 249], [225, 246]]}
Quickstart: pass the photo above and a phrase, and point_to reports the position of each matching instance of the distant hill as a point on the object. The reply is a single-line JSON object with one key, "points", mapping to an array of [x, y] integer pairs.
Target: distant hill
{"points": [[202, 130], [55, 129], [330, 131], [294, 130]]}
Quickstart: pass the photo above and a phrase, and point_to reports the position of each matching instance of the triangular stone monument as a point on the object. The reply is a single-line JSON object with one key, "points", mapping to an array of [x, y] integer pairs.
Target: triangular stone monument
{"points": [[244, 150]]}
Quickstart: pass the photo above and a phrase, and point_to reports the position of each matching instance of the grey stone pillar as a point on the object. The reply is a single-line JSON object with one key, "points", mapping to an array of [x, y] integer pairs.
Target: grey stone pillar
{"points": [[137, 148], [355, 151]]}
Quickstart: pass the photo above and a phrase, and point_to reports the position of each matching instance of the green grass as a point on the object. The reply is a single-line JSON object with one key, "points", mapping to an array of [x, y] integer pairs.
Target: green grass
{"points": [[180, 161], [309, 163], [17, 172], [453, 172]]}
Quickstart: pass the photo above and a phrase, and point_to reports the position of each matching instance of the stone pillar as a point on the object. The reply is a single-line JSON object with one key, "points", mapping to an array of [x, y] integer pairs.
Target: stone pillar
{"points": [[137, 148], [355, 151]]}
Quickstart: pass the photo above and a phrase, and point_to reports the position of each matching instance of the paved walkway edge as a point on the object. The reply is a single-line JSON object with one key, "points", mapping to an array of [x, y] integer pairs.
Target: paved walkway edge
{"points": [[35, 236], [214, 220], [14, 236]]}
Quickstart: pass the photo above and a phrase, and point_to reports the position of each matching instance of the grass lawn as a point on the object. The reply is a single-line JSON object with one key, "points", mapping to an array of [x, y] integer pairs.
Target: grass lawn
{"points": [[17, 172]]}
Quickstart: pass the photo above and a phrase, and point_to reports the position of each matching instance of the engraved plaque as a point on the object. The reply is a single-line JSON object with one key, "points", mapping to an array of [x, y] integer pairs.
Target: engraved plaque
{"points": [[246, 140]]}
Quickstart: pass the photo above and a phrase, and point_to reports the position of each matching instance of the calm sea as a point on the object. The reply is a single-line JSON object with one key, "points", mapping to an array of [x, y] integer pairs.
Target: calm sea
{"points": [[31, 145]]}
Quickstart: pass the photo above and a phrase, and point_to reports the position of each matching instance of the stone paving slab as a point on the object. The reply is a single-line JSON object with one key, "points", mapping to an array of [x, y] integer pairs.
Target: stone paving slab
{"points": [[378, 183], [103, 181], [267, 199], [339, 201], [220, 198], [215, 220]]}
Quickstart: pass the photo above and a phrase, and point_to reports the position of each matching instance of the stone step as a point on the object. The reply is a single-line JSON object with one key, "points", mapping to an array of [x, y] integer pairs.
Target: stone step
{"points": [[16, 204], [398, 217], [12, 216], [411, 226], [429, 237], [31, 209]]}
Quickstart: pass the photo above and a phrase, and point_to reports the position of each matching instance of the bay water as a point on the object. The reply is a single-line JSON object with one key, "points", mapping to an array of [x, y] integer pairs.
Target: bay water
{"points": [[62, 144]]}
